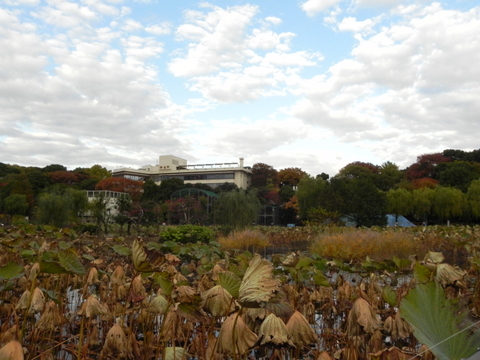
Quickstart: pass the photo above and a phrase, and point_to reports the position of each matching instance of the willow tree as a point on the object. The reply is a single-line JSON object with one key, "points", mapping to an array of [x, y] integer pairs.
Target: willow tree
{"points": [[473, 196], [448, 202], [237, 209], [422, 199], [399, 202]]}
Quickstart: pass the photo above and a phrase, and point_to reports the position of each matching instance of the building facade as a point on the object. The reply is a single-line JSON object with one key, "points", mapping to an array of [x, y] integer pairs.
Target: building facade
{"points": [[170, 166]]}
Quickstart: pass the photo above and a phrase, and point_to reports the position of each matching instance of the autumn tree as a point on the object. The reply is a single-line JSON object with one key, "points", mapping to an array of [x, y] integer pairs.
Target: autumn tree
{"points": [[291, 176], [425, 166], [264, 175], [119, 184]]}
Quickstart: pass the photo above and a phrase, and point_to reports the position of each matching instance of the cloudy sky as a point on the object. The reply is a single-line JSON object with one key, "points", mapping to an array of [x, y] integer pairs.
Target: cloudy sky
{"points": [[313, 84]]}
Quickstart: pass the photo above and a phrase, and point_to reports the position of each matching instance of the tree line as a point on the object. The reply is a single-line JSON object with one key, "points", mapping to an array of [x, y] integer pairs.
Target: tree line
{"points": [[438, 187]]}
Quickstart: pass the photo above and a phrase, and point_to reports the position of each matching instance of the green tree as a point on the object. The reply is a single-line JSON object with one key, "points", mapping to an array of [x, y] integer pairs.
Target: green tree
{"points": [[16, 204], [422, 200], [388, 176], [169, 186], [458, 174], [309, 193], [473, 197], [53, 209], [365, 204], [237, 209], [448, 203], [400, 202]]}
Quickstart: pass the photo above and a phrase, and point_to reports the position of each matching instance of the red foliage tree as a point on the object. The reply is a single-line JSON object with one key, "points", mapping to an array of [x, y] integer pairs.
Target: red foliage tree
{"points": [[66, 177], [425, 166], [132, 187], [291, 176], [424, 183]]}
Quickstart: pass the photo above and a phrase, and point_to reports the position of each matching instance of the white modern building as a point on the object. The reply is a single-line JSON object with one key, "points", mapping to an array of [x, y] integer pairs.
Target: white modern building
{"points": [[170, 166]]}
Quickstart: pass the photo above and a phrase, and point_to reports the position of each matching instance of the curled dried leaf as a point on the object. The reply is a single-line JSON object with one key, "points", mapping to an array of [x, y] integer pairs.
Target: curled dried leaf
{"points": [[258, 284]]}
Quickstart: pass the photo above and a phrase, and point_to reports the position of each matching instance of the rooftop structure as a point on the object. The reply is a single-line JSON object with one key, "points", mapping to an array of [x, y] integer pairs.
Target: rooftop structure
{"points": [[170, 166]]}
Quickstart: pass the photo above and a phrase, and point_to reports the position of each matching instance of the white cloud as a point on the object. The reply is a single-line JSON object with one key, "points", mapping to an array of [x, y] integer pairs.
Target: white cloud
{"points": [[164, 28], [313, 7], [352, 24], [413, 79]]}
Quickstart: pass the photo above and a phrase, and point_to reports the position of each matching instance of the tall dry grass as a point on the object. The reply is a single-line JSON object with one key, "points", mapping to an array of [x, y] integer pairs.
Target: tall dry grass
{"points": [[251, 240], [356, 244]]}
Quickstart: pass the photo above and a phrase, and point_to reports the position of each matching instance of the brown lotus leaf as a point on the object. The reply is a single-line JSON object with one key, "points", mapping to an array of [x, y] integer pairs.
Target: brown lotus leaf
{"points": [[145, 260], [175, 353], [9, 335], [173, 326], [93, 338], [24, 300], [118, 276], [274, 332], [115, 343], [300, 331], [92, 307], [361, 319], [254, 317], [258, 284], [426, 353], [172, 259], [291, 259], [388, 325], [345, 291], [218, 301], [376, 341], [34, 271], [446, 274], [217, 269], [50, 318], [392, 353], [158, 305], [184, 294], [92, 277], [323, 356], [179, 278], [204, 284], [434, 257], [12, 351], [235, 336], [401, 328], [37, 303], [136, 292]]}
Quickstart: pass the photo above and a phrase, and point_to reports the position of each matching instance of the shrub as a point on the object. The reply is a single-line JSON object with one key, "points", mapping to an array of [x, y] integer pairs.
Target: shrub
{"points": [[356, 244], [188, 234], [244, 240]]}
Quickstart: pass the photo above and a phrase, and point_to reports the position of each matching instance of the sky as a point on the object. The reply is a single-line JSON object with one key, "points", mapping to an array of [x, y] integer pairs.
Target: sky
{"points": [[314, 84]]}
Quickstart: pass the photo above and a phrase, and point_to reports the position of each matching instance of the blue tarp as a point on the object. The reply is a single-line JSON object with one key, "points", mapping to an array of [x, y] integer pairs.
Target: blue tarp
{"points": [[401, 221]]}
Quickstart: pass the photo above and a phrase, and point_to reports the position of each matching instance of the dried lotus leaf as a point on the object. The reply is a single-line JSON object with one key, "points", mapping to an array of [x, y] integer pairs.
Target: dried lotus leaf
{"points": [[258, 284], [300, 331], [235, 336]]}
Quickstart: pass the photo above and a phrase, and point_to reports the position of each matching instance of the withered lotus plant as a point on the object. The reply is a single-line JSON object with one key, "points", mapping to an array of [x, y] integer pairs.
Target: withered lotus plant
{"points": [[115, 343], [235, 337], [300, 331], [258, 284], [158, 305], [37, 301], [274, 332], [12, 351], [218, 301], [361, 319], [92, 308], [118, 276], [51, 317]]}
